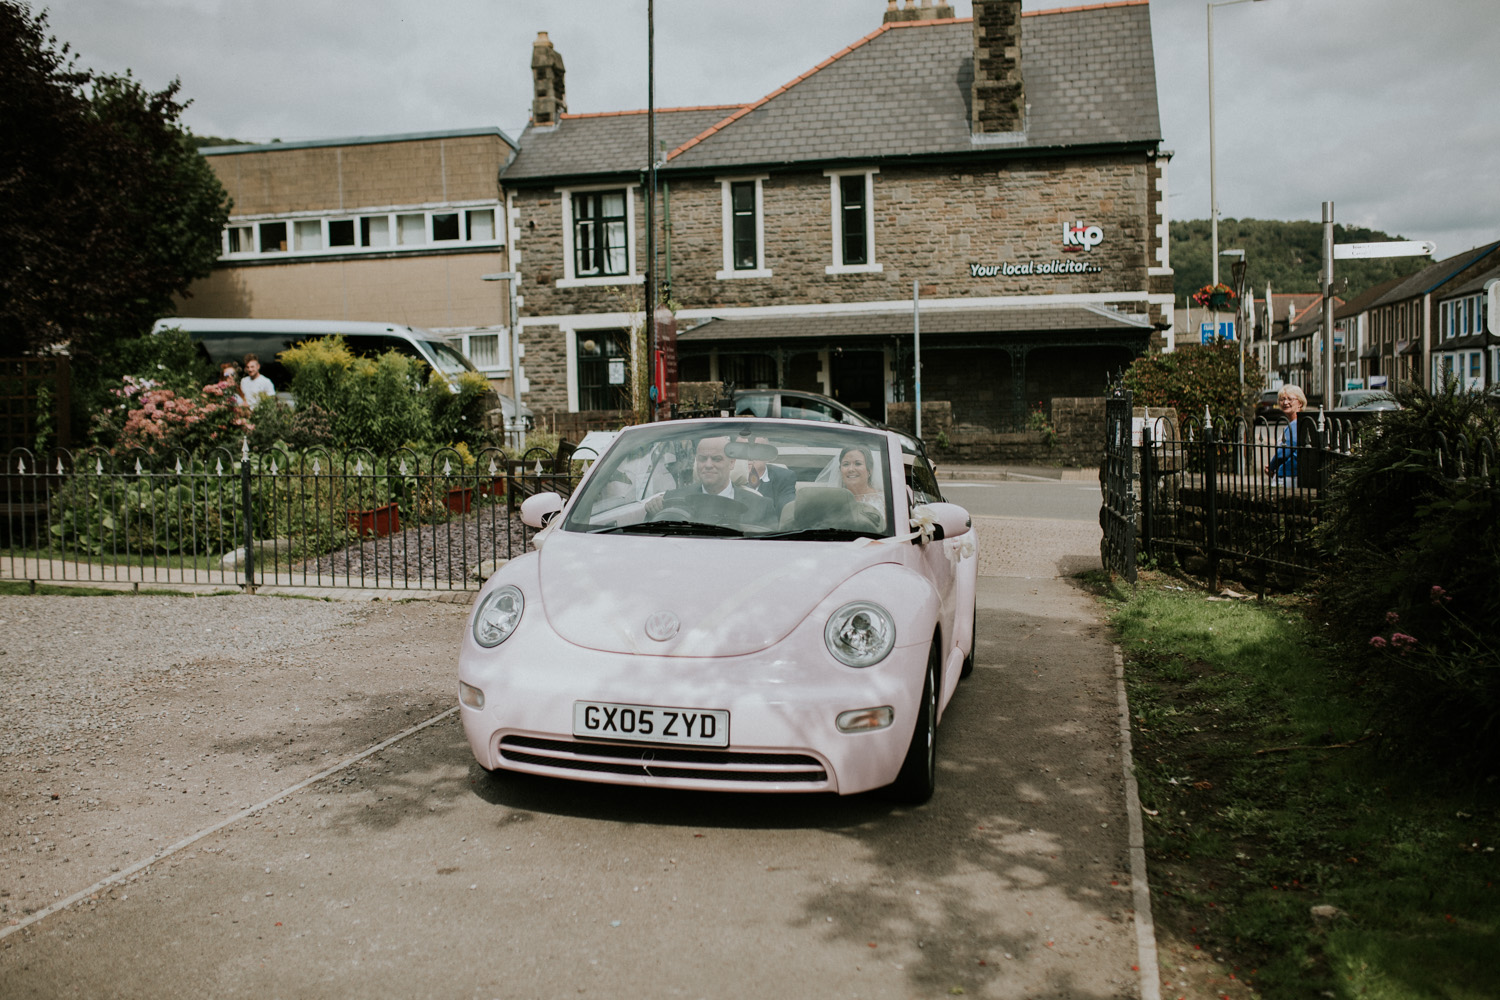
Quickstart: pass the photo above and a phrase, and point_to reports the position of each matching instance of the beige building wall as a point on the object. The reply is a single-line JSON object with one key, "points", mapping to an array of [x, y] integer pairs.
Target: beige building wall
{"points": [[437, 291], [347, 178]]}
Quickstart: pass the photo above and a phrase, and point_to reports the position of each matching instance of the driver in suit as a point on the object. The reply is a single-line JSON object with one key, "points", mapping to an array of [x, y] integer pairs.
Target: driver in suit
{"points": [[712, 467]]}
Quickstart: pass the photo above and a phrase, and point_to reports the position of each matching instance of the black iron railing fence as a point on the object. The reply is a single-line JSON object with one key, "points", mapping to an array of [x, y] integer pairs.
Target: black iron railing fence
{"points": [[1225, 499], [408, 521]]}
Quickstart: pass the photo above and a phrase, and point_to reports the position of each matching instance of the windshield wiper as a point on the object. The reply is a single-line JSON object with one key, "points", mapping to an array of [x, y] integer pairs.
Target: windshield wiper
{"points": [[822, 535], [671, 528]]}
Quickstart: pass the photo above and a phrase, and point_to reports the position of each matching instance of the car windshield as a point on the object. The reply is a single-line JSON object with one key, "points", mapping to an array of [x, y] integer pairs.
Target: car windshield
{"points": [[740, 478], [449, 361]]}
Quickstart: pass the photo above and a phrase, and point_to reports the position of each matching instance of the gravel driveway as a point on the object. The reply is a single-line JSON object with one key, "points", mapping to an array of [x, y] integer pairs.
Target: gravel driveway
{"points": [[131, 722]]}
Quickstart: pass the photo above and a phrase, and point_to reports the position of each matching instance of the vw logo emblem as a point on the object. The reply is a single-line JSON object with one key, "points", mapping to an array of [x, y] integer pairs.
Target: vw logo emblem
{"points": [[662, 625]]}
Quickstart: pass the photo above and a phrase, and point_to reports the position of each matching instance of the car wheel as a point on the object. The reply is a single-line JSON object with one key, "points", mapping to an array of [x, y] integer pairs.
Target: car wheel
{"points": [[917, 778], [968, 667]]}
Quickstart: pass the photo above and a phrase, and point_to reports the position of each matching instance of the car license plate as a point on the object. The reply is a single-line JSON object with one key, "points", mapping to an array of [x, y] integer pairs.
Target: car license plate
{"points": [[696, 727]]}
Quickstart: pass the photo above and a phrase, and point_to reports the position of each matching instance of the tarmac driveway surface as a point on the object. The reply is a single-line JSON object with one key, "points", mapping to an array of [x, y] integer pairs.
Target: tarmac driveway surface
{"points": [[410, 872]]}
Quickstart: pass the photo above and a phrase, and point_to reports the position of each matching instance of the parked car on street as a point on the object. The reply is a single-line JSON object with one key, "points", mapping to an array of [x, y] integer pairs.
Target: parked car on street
{"points": [[1367, 399], [673, 629], [1266, 408], [787, 404]]}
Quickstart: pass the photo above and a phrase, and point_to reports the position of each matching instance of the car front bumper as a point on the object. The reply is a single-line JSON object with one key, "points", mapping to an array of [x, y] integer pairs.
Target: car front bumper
{"points": [[782, 710]]}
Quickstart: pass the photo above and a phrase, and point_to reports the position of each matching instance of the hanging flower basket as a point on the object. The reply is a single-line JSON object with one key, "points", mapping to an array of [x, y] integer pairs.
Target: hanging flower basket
{"points": [[1219, 298]]}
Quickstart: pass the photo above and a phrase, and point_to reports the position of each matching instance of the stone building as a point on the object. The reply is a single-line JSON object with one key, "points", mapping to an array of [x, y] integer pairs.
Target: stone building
{"points": [[390, 228], [1006, 168]]}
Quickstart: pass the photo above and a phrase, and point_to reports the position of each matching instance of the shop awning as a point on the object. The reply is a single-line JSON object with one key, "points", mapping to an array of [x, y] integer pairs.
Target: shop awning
{"points": [[1016, 319]]}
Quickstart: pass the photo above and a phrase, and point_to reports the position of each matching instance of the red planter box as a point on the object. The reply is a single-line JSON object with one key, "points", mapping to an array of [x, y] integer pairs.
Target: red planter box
{"points": [[460, 500], [376, 523]]}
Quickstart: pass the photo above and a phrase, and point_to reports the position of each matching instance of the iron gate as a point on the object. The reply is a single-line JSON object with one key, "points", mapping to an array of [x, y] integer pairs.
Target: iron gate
{"points": [[1118, 514]]}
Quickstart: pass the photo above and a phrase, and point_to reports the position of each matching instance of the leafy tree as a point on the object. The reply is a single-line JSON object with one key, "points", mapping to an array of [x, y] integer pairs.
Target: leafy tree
{"points": [[1287, 255], [106, 209]]}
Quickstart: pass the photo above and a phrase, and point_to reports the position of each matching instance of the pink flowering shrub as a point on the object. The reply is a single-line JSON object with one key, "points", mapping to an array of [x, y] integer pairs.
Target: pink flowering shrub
{"points": [[158, 419]]}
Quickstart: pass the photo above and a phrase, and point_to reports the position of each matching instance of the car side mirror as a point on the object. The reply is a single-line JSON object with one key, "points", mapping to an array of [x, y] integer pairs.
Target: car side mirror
{"points": [[537, 510], [951, 519]]}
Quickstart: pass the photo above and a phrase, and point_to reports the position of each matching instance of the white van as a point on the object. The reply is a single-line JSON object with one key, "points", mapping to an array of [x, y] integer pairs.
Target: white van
{"points": [[223, 340]]}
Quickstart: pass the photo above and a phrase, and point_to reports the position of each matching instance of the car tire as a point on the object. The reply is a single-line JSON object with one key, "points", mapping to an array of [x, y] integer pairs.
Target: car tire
{"points": [[968, 667], [917, 778]]}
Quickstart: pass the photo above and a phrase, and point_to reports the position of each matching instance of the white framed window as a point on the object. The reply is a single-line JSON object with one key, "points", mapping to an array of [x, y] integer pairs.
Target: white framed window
{"points": [[744, 228], [311, 234], [488, 349], [852, 198], [598, 236]]}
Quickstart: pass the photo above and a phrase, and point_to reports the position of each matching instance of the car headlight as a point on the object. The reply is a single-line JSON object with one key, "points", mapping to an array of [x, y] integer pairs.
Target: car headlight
{"points": [[860, 634], [498, 615]]}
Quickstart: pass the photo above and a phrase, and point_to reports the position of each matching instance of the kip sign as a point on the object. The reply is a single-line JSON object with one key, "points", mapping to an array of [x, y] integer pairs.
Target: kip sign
{"points": [[1077, 237]]}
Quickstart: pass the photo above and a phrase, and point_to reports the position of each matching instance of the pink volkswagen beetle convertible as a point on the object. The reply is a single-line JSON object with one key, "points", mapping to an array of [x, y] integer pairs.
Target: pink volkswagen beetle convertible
{"points": [[745, 605]]}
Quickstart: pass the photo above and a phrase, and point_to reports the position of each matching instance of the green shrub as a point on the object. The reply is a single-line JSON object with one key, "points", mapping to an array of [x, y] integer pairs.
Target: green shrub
{"points": [[305, 426], [319, 368], [1414, 539], [1195, 377], [459, 417], [151, 515]]}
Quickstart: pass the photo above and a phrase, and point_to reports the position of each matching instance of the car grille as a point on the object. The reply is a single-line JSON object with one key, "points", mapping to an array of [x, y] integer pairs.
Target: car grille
{"points": [[663, 761]]}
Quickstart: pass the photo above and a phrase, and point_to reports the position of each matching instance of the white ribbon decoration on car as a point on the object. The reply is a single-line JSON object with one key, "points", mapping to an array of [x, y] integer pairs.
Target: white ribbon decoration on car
{"points": [[923, 525]]}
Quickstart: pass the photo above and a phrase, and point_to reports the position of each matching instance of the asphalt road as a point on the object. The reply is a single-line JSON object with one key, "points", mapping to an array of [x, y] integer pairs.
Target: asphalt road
{"points": [[412, 873], [1047, 500]]}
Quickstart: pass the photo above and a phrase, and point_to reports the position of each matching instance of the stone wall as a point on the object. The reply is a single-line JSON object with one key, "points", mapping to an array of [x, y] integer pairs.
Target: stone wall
{"points": [[1076, 439], [931, 223]]}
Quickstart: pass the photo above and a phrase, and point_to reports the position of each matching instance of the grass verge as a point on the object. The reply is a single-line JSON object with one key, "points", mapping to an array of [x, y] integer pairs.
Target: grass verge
{"points": [[1294, 849]]}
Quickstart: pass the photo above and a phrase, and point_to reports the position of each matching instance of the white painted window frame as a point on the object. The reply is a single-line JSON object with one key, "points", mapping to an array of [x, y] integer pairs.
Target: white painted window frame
{"points": [[836, 215], [502, 350], [727, 221], [570, 277], [461, 208]]}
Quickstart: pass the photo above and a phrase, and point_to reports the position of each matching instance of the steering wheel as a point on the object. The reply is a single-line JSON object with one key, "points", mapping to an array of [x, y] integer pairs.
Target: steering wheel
{"points": [[706, 508]]}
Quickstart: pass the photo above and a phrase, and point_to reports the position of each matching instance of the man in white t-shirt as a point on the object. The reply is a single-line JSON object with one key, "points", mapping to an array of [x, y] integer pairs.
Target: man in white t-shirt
{"points": [[254, 386]]}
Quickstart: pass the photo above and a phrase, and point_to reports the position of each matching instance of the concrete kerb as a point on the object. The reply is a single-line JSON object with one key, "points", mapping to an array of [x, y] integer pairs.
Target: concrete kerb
{"points": [[1014, 473], [1145, 927]]}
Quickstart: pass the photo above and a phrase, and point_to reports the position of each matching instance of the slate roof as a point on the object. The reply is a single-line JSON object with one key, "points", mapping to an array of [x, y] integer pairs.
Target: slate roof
{"points": [[613, 143], [903, 90], [1433, 276], [1474, 284], [1366, 298], [1012, 319]]}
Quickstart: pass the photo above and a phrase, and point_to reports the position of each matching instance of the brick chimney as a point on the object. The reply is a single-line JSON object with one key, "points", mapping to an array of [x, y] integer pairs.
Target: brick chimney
{"points": [[550, 100], [999, 99], [911, 12]]}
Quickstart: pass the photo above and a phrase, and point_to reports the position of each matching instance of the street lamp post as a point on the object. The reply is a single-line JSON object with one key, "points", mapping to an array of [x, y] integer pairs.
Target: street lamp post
{"points": [[1213, 190], [1237, 269]]}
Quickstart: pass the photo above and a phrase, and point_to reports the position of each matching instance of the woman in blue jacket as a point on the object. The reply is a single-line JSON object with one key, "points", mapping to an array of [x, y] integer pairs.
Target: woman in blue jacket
{"points": [[1283, 463]]}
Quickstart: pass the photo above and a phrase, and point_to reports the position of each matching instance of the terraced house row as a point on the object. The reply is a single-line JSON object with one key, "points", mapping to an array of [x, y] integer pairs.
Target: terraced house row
{"points": [[1006, 168]]}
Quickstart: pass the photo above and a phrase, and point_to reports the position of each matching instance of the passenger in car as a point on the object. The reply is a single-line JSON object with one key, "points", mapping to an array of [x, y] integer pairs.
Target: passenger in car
{"points": [[774, 482]]}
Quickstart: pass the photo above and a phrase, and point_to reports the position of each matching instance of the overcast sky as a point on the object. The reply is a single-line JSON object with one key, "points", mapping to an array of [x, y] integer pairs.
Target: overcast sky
{"points": [[1385, 107]]}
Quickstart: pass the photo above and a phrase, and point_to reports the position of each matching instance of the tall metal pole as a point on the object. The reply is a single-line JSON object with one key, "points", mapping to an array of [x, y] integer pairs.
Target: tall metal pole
{"points": [[649, 306], [916, 328], [1327, 335], [1213, 188]]}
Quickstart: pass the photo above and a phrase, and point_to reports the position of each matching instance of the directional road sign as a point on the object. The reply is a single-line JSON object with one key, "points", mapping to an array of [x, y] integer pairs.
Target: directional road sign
{"points": [[1390, 248]]}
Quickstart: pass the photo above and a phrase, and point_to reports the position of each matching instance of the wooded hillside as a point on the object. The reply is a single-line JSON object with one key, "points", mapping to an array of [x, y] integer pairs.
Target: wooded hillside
{"points": [[1288, 255]]}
